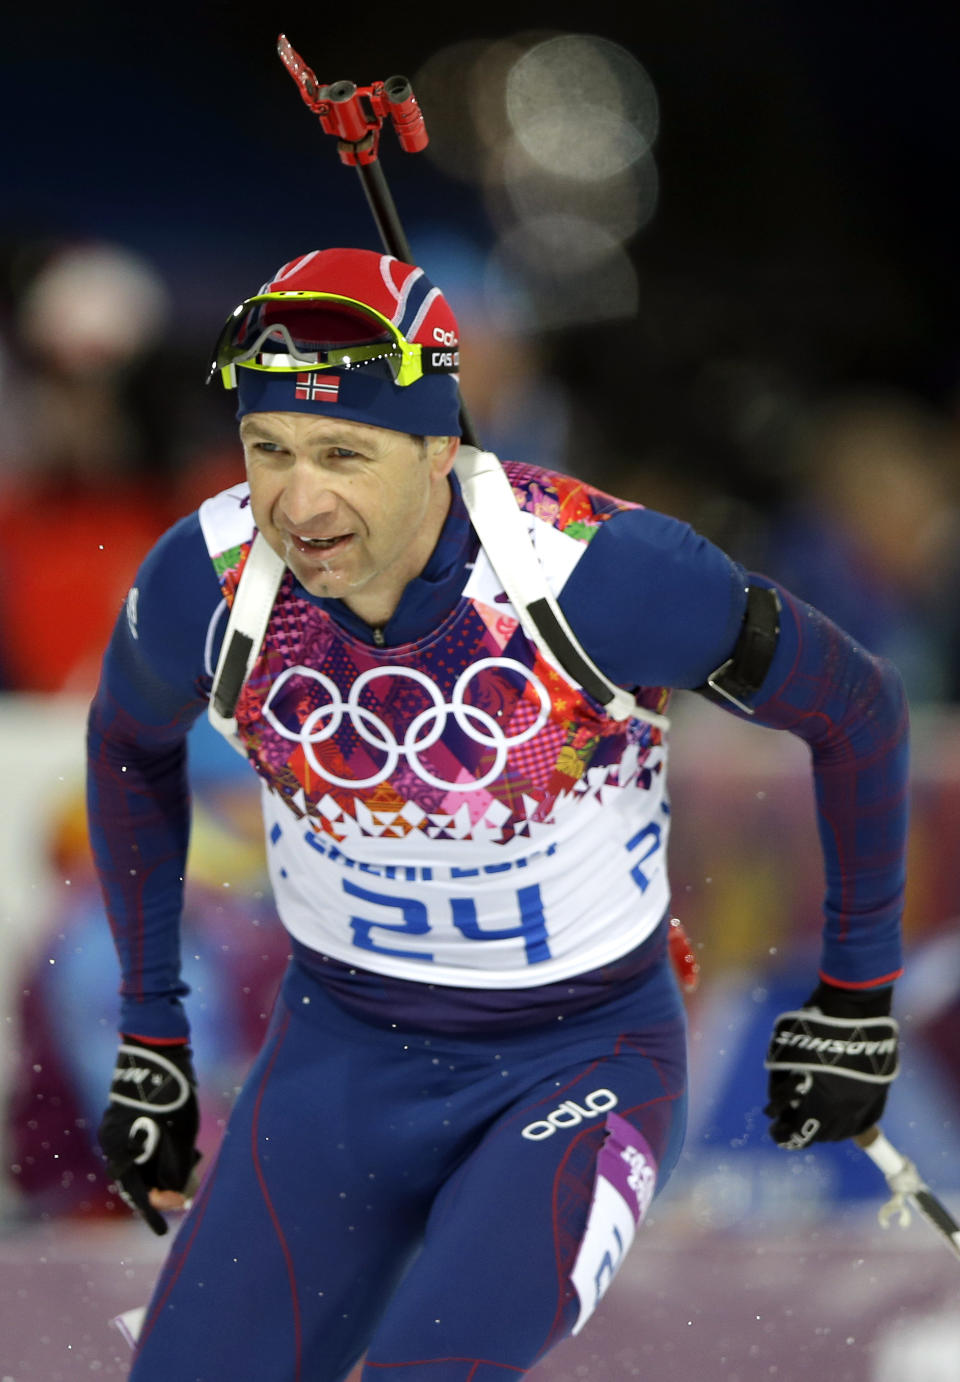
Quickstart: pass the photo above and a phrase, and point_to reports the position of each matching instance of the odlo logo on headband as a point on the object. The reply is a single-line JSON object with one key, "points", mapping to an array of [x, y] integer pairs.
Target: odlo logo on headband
{"points": [[570, 1115]]}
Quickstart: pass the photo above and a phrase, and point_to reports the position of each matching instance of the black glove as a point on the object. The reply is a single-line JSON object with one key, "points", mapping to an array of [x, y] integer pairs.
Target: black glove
{"points": [[830, 1066], [148, 1132]]}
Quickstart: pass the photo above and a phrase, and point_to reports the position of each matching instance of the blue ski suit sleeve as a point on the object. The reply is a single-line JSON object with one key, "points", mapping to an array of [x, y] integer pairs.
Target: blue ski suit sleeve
{"points": [[656, 604], [850, 707], [154, 684]]}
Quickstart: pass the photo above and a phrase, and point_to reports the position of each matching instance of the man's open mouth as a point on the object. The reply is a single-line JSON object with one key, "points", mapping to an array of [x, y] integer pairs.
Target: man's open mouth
{"points": [[318, 544]]}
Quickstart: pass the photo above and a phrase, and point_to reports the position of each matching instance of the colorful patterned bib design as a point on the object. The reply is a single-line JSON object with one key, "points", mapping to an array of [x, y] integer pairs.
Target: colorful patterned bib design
{"points": [[465, 752]]}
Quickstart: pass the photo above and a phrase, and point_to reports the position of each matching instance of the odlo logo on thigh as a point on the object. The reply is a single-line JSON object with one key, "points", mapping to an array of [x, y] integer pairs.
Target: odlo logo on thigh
{"points": [[570, 1115]]}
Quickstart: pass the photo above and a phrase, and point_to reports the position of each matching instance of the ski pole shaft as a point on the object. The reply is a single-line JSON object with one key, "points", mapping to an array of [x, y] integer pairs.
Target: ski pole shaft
{"points": [[384, 210], [905, 1181], [394, 240]]}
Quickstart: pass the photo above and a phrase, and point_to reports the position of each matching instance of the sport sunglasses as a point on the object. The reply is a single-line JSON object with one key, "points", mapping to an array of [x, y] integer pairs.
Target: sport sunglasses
{"points": [[253, 339]]}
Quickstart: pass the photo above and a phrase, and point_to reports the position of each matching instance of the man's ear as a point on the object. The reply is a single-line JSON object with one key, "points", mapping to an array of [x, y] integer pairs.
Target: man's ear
{"points": [[442, 452]]}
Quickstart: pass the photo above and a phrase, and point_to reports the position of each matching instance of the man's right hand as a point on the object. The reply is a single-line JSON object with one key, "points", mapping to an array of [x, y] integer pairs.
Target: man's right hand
{"points": [[150, 1127]]}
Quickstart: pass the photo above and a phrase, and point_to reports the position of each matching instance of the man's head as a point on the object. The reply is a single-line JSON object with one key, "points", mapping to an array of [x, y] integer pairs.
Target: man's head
{"points": [[345, 366], [350, 334]]}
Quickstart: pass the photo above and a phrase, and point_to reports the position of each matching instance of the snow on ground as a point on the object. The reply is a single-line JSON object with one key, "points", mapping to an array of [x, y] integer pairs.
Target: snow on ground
{"points": [[838, 1301]]}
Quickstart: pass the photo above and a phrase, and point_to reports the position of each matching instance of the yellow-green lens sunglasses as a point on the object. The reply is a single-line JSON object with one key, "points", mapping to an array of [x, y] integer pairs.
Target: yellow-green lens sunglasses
{"points": [[333, 332]]}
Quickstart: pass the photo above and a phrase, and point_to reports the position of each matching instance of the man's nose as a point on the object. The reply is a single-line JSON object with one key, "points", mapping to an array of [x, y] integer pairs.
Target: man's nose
{"points": [[307, 494]]}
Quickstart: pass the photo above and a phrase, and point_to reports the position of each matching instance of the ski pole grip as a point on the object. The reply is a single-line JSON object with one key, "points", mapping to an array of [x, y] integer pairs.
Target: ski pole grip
{"points": [[881, 1152]]}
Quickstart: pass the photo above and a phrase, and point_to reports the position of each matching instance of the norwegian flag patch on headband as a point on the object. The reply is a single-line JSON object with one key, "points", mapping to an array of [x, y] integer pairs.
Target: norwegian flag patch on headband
{"points": [[318, 388]]}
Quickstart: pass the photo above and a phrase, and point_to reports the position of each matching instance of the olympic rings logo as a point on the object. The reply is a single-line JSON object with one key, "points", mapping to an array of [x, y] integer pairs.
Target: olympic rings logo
{"points": [[424, 730]]}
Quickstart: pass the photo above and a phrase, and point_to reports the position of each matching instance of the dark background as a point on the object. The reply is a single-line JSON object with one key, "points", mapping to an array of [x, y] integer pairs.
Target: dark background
{"points": [[807, 159]]}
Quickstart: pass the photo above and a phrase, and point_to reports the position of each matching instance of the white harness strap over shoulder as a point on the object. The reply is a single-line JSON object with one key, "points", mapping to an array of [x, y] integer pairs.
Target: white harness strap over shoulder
{"points": [[500, 525], [503, 533], [243, 637]]}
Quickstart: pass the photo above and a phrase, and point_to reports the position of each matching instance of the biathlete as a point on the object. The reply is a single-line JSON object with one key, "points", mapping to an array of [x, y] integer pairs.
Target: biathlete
{"points": [[474, 1079]]}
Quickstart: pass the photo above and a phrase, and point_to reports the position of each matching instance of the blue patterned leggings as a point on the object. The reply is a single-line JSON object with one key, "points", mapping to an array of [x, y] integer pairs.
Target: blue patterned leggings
{"points": [[451, 1206]]}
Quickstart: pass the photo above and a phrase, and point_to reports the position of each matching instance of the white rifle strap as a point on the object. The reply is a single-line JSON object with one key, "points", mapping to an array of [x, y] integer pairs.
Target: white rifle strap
{"points": [[502, 529], [244, 634]]}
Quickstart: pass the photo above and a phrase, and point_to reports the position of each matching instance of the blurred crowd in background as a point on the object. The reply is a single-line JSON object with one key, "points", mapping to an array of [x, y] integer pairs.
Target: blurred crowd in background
{"points": [[107, 436]]}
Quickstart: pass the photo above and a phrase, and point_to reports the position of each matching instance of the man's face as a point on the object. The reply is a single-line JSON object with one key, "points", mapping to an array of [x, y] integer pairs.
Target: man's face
{"points": [[354, 510]]}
